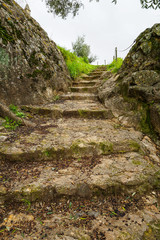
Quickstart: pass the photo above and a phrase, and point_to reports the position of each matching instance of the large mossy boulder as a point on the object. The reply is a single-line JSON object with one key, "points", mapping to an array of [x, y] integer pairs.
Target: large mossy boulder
{"points": [[32, 69], [137, 87]]}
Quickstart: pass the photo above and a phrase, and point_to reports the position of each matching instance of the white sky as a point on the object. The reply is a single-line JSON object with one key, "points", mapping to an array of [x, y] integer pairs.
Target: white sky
{"points": [[104, 25]]}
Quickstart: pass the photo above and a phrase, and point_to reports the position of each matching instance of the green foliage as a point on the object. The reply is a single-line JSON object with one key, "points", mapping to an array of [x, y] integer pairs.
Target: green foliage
{"points": [[64, 7], [150, 4], [76, 65], [81, 49], [115, 65], [14, 109], [10, 124]]}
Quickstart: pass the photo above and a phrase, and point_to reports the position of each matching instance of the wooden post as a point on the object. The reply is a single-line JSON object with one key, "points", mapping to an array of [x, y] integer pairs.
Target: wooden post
{"points": [[116, 54]]}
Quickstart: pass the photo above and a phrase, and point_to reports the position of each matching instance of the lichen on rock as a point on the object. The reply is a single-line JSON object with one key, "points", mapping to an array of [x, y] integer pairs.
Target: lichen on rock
{"points": [[31, 66], [138, 83]]}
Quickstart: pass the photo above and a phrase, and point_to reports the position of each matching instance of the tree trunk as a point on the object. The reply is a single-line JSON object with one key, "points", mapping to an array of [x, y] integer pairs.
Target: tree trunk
{"points": [[5, 112]]}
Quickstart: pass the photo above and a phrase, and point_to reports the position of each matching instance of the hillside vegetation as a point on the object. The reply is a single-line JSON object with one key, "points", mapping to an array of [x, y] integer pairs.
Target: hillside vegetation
{"points": [[76, 65], [115, 65]]}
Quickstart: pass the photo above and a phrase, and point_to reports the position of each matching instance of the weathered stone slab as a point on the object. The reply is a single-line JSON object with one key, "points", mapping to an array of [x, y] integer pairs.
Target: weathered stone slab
{"points": [[71, 137], [84, 89], [118, 173], [79, 96], [78, 109]]}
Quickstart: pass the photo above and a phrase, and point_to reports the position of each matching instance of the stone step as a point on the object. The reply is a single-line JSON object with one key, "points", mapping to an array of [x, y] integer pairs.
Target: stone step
{"points": [[100, 69], [79, 96], [60, 139], [85, 83], [85, 177], [90, 77], [84, 89], [96, 73], [87, 109]]}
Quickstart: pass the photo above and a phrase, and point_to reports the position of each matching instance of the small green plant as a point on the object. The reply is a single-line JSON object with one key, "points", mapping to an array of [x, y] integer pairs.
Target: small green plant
{"points": [[40, 221], [15, 110], [28, 203], [115, 65], [76, 65], [70, 204], [10, 124], [56, 98]]}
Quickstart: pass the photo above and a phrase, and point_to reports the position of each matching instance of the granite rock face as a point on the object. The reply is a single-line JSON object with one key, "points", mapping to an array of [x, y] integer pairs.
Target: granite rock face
{"points": [[31, 66], [139, 80]]}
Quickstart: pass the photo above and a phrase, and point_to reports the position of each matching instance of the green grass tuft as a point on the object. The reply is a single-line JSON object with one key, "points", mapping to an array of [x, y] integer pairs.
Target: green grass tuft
{"points": [[76, 65], [115, 65]]}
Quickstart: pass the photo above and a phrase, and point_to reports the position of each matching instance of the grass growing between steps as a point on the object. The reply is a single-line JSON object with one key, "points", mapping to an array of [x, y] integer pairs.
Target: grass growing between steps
{"points": [[76, 65], [115, 65]]}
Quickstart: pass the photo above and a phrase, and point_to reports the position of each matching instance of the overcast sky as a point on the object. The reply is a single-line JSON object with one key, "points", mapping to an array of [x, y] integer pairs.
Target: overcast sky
{"points": [[104, 25]]}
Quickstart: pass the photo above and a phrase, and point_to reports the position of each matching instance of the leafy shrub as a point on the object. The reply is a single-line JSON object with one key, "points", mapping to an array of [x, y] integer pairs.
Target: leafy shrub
{"points": [[14, 109], [76, 65], [10, 124], [115, 65]]}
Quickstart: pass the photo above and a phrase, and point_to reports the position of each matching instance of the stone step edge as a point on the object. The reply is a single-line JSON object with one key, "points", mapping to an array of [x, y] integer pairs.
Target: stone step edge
{"points": [[40, 191], [78, 113], [78, 96], [77, 149], [86, 89], [85, 83], [90, 78], [34, 193]]}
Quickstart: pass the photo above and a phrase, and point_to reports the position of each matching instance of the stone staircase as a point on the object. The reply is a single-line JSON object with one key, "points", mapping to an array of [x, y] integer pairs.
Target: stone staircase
{"points": [[79, 174]]}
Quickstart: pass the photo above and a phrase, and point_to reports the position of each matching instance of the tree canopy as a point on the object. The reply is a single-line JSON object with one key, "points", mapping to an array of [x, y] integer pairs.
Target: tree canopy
{"points": [[63, 7], [81, 49]]}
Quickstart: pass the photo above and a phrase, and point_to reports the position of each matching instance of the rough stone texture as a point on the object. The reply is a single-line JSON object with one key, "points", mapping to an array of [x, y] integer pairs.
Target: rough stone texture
{"points": [[75, 178], [138, 224], [31, 66], [138, 79]]}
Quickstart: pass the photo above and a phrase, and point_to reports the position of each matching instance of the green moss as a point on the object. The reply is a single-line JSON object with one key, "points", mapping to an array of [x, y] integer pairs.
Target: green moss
{"points": [[8, 2], [145, 118], [32, 60], [153, 232], [47, 153], [134, 145], [156, 182], [106, 147], [136, 162], [125, 236], [75, 148], [82, 112], [6, 37], [78, 148], [143, 109]]}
